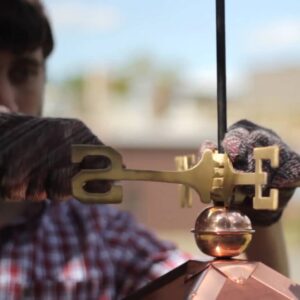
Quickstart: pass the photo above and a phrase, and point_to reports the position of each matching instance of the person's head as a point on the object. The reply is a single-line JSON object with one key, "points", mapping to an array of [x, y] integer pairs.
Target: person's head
{"points": [[25, 43]]}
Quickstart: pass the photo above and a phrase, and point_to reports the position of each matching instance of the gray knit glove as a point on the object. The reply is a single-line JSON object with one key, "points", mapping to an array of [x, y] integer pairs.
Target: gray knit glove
{"points": [[239, 142], [35, 157]]}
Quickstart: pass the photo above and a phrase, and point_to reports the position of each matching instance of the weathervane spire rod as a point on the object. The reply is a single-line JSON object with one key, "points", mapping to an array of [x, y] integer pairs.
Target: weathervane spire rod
{"points": [[221, 72]]}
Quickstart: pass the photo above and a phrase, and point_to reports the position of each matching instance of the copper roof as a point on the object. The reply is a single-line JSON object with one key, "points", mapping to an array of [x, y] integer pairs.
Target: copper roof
{"points": [[220, 280]]}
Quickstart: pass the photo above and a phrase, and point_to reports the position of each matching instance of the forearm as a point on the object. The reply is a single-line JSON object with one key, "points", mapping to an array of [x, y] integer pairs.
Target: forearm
{"points": [[268, 246]]}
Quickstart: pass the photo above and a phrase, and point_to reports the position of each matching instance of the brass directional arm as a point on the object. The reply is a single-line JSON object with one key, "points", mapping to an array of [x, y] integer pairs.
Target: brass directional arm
{"points": [[185, 194], [199, 177], [212, 177]]}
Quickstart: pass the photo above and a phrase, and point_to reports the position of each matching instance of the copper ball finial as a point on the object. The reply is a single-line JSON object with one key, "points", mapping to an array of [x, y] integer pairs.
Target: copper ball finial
{"points": [[221, 232]]}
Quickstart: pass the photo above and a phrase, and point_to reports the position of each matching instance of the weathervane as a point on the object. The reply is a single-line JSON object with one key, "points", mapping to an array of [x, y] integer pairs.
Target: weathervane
{"points": [[220, 231], [212, 177]]}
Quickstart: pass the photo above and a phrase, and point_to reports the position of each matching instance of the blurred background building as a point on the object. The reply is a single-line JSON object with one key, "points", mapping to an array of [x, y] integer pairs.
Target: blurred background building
{"points": [[142, 76]]}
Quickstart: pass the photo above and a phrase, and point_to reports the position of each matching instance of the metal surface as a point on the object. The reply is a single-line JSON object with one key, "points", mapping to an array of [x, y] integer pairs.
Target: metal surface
{"points": [[221, 232], [213, 177], [184, 163], [220, 280], [221, 72]]}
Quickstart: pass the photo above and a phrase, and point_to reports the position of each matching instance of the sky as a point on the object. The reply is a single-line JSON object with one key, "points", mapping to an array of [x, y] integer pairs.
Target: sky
{"points": [[93, 34]]}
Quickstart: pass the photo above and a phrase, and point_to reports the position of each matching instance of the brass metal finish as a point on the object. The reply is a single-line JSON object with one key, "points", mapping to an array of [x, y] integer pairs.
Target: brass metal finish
{"points": [[260, 202], [213, 177], [223, 188], [220, 232], [183, 163], [199, 177]]}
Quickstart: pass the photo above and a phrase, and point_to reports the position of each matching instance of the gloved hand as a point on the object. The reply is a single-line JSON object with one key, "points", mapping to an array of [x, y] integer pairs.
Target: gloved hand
{"points": [[238, 143], [35, 157]]}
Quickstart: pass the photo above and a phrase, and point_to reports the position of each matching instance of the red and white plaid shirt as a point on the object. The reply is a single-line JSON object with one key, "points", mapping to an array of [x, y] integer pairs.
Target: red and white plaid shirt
{"points": [[76, 251]]}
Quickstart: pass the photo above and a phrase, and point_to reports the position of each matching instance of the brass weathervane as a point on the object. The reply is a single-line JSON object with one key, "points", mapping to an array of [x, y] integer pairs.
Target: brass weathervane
{"points": [[212, 177], [219, 231]]}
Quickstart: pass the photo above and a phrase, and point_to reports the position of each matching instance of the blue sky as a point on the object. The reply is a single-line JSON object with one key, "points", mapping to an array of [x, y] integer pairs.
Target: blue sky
{"points": [[92, 33]]}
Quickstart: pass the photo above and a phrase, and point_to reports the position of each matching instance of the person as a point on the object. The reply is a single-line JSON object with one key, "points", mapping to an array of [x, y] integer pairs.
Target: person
{"points": [[55, 249]]}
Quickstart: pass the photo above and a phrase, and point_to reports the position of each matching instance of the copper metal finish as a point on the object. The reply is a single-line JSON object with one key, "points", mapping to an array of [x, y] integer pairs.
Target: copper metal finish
{"points": [[220, 280], [220, 232], [213, 177]]}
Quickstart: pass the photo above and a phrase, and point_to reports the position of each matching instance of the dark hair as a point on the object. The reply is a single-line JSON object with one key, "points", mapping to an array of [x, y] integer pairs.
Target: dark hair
{"points": [[24, 27]]}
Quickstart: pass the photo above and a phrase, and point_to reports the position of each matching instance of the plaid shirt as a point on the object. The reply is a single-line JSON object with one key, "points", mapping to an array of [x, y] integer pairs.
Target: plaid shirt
{"points": [[76, 251]]}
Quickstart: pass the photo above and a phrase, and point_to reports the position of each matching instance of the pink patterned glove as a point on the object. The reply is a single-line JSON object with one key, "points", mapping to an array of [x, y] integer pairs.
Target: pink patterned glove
{"points": [[239, 142]]}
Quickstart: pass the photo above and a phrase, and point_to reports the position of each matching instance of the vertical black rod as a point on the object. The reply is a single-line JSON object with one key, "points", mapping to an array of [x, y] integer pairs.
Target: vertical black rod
{"points": [[221, 72]]}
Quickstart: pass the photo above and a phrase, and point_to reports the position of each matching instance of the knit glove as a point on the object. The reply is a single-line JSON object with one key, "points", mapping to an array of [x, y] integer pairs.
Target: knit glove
{"points": [[238, 143], [35, 157]]}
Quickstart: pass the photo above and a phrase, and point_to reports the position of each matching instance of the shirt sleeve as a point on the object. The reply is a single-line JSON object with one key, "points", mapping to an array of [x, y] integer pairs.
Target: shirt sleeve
{"points": [[138, 254]]}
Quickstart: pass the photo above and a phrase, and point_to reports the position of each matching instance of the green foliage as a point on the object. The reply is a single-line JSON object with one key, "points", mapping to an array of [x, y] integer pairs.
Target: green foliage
{"points": [[74, 83], [120, 85]]}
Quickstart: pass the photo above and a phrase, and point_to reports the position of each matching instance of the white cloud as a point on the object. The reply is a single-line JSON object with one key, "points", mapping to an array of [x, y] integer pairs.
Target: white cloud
{"points": [[81, 16], [280, 35]]}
